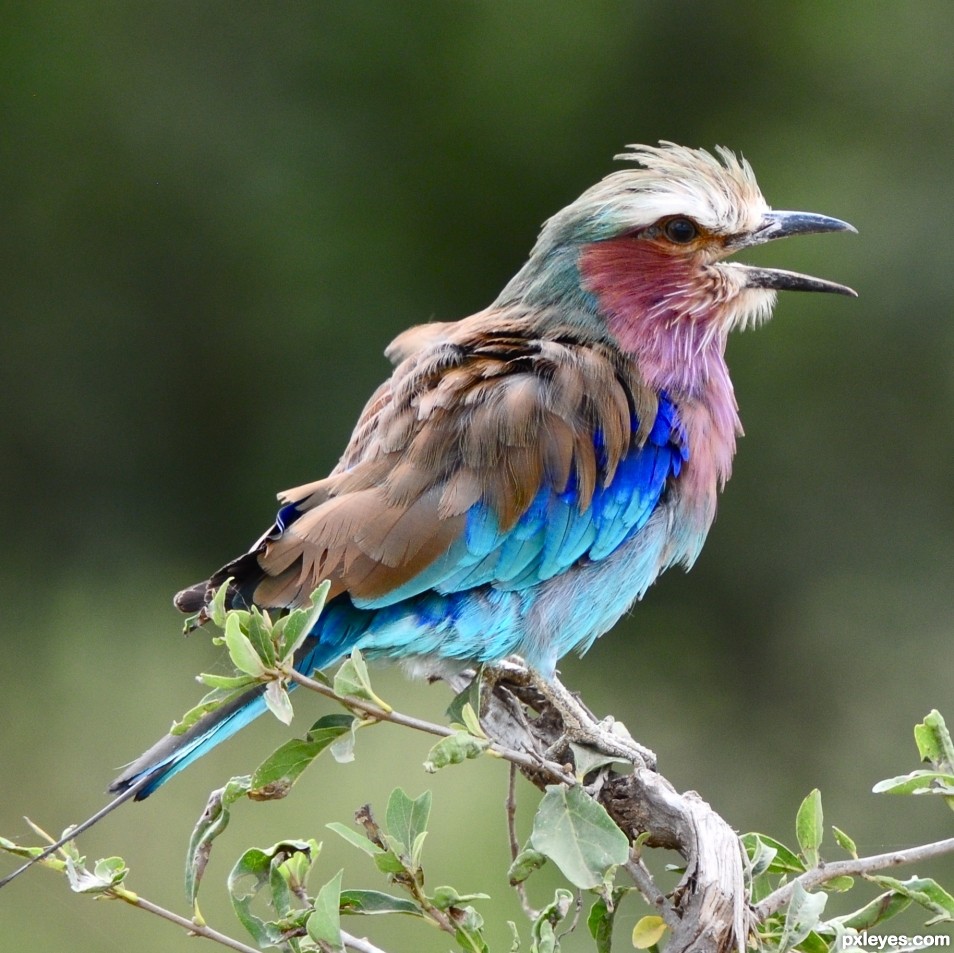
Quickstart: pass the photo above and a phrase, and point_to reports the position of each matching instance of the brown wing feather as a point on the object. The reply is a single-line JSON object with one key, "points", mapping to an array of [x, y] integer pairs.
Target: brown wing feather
{"points": [[481, 410]]}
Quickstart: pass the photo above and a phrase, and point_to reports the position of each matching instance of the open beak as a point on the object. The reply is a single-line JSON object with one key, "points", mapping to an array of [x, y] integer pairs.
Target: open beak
{"points": [[781, 225]]}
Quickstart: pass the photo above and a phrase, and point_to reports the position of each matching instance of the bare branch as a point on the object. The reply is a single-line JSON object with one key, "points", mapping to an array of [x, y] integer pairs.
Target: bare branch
{"points": [[851, 868]]}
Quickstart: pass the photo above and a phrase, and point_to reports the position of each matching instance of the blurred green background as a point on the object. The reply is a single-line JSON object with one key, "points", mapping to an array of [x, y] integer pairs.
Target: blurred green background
{"points": [[214, 218]]}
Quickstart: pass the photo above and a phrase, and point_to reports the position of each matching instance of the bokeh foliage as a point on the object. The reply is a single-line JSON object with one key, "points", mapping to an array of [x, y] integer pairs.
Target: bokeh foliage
{"points": [[216, 216]]}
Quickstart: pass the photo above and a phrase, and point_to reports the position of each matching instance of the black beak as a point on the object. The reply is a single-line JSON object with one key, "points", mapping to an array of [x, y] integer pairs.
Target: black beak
{"points": [[781, 225]]}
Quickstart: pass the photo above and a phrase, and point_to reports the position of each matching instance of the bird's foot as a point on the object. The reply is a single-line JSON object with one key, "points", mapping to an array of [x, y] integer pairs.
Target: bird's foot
{"points": [[590, 741]]}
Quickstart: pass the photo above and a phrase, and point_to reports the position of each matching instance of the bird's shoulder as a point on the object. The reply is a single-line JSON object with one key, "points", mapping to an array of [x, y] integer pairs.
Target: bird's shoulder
{"points": [[495, 375]]}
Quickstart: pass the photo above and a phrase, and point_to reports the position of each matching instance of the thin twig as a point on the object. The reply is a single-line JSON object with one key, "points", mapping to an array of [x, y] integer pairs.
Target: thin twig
{"points": [[578, 907], [359, 944], [135, 900], [846, 868], [198, 929], [510, 806], [409, 878], [519, 758], [647, 887]]}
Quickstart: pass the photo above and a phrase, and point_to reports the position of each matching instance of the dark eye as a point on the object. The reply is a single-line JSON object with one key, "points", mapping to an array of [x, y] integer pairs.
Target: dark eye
{"points": [[680, 231]]}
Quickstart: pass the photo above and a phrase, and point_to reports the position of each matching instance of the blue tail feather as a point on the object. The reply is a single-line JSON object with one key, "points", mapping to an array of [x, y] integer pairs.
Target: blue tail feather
{"points": [[174, 753]]}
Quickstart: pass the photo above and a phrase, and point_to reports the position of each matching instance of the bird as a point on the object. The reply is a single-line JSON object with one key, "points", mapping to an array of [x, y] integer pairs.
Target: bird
{"points": [[526, 473]]}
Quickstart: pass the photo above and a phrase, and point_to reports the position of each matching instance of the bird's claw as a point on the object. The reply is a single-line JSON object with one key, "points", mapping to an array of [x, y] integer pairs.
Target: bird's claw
{"points": [[608, 738]]}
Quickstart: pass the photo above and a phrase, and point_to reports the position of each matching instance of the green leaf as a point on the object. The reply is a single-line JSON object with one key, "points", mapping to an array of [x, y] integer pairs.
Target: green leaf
{"points": [[373, 902], [935, 745], [407, 819], [69, 850], [213, 820], [18, 851], [543, 929], [324, 925], [51, 861], [300, 622], [469, 696], [259, 631], [601, 919], [355, 838], [389, 863], [844, 841], [241, 650], [228, 683], [838, 884], [813, 943], [883, 907], [352, 681], [342, 748], [586, 759], [106, 873], [444, 898], [278, 702], [934, 742], [469, 932], [257, 871], [544, 938], [648, 932], [472, 722], [295, 870], [216, 608], [803, 916], [417, 849], [760, 857], [924, 891], [455, 748], [809, 827], [274, 777], [578, 835], [524, 864], [210, 702], [922, 781], [785, 861]]}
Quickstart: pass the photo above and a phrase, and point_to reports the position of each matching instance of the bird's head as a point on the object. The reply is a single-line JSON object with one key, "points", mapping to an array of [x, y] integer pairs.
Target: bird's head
{"points": [[647, 248]]}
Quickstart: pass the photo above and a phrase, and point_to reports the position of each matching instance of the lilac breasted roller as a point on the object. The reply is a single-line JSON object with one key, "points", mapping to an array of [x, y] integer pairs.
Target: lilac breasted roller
{"points": [[526, 473]]}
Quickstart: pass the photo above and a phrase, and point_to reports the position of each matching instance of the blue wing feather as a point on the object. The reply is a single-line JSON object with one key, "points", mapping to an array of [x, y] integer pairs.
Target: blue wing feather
{"points": [[554, 533]]}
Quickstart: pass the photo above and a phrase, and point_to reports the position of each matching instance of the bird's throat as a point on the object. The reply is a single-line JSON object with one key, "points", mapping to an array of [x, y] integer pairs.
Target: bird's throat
{"points": [[660, 308], [662, 311]]}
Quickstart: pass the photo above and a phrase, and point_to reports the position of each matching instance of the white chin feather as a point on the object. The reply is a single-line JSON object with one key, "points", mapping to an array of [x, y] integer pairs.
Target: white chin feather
{"points": [[752, 307]]}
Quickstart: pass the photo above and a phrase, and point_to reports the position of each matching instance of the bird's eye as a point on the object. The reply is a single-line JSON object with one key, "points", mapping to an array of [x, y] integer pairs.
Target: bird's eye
{"points": [[680, 231]]}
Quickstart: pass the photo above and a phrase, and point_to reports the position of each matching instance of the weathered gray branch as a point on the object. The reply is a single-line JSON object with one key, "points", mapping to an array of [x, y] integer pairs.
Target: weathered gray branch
{"points": [[707, 912]]}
